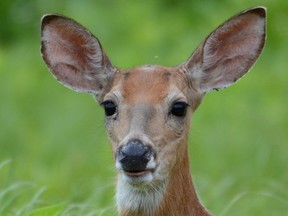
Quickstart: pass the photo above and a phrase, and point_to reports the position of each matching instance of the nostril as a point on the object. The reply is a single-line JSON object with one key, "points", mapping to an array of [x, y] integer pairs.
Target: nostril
{"points": [[121, 155], [148, 154]]}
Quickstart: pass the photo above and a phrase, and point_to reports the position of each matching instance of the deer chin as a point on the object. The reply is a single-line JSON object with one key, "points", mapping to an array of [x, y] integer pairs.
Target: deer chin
{"points": [[141, 192]]}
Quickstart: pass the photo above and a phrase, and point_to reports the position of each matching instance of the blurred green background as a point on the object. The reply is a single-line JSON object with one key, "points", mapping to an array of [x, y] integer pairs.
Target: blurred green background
{"points": [[55, 158]]}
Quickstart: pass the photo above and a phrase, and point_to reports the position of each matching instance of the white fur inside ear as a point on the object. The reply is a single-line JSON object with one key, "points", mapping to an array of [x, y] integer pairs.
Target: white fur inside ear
{"points": [[94, 55]]}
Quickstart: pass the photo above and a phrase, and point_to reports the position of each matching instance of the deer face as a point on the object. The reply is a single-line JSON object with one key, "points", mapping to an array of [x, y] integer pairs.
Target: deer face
{"points": [[148, 112]]}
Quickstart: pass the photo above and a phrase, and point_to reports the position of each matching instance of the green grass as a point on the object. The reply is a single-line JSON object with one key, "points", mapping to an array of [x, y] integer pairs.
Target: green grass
{"points": [[55, 158]]}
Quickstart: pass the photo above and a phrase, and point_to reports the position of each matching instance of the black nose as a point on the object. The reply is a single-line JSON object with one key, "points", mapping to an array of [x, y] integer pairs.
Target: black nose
{"points": [[134, 156]]}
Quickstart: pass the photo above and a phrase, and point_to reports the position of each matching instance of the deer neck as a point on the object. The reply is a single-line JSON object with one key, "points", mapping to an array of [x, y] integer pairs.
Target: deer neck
{"points": [[181, 197]]}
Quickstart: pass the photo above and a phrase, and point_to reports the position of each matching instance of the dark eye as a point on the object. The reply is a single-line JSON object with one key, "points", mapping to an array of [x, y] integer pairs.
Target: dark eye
{"points": [[109, 107], [179, 109]]}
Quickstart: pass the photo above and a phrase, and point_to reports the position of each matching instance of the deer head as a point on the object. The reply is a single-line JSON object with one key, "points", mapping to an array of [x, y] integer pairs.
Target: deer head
{"points": [[148, 108]]}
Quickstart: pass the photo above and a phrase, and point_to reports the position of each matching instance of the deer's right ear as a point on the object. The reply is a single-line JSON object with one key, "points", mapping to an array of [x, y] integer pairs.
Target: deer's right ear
{"points": [[75, 57]]}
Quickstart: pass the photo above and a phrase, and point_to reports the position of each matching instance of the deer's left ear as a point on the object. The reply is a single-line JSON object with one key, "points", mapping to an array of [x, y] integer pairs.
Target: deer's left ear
{"points": [[229, 51]]}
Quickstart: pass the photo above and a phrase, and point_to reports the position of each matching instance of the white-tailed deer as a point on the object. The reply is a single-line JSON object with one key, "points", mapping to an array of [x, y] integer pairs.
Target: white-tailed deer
{"points": [[148, 108]]}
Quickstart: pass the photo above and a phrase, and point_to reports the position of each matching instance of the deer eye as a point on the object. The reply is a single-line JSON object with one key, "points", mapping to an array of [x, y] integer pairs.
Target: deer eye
{"points": [[109, 107], [179, 109]]}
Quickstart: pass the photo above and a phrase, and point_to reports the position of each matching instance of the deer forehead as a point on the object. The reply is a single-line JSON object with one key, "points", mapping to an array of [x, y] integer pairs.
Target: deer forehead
{"points": [[150, 84]]}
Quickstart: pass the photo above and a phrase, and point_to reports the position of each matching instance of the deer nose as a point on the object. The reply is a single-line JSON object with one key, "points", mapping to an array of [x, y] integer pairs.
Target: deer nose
{"points": [[134, 156]]}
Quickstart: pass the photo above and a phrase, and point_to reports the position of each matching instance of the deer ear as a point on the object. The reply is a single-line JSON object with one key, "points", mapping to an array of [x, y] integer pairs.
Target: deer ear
{"points": [[229, 51], [74, 56]]}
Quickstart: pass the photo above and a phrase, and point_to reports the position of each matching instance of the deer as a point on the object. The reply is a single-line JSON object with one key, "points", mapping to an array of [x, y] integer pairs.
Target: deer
{"points": [[148, 108]]}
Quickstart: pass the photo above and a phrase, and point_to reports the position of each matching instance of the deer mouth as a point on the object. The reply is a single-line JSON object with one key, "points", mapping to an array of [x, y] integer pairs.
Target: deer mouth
{"points": [[138, 173], [137, 178]]}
